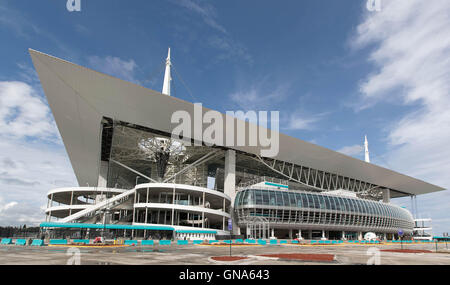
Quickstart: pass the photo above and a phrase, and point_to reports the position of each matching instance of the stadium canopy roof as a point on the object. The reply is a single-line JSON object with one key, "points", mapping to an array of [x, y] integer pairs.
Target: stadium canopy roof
{"points": [[80, 97]]}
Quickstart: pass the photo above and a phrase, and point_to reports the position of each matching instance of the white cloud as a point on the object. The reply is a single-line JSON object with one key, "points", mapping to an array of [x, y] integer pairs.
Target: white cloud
{"points": [[265, 95], [411, 52], [32, 158], [260, 96], [206, 11], [301, 122], [351, 150], [23, 113], [115, 66], [5, 207]]}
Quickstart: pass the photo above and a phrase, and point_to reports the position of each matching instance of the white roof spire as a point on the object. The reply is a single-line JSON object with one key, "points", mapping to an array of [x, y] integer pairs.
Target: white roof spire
{"points": [[366, 149], [167, 76]]}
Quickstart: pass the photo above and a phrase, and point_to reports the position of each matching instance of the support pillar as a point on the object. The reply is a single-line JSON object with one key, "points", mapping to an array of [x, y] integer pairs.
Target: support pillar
{"points": [[343, 235], [360, 236], [103, 174], [229, 186], [300, 234], [323, 235], [290, 234], [386, 195], [272, 233]]}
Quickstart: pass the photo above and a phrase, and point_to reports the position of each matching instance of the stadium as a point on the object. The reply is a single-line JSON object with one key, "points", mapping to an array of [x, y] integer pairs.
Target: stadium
{"points": [[135, 180]]}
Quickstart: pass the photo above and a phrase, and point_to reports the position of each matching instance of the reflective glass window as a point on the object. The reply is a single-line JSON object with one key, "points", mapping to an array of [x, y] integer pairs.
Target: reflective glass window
{"points": [[286, 199], [316, 201], [305, 200], [279, 199], [292, 199], [299, 200], [265, 197], [310, 200], [333, 202], [258, 197], [272, 198], [321, 201], [327, 202]]}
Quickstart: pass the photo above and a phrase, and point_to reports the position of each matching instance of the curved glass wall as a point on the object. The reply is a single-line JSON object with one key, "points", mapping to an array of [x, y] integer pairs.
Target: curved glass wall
{"points": [[306, 208]]}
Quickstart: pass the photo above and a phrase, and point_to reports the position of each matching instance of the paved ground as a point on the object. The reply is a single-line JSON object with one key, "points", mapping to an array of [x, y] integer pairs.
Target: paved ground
{"points": [[199, 254]]}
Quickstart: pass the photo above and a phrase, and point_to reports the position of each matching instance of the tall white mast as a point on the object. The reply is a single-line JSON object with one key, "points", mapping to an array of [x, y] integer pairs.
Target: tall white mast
{"points": [[366, 150], [167, 76]]}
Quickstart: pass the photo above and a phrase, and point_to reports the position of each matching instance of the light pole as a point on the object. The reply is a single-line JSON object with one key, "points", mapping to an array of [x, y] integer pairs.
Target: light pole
{"points": [[137, 178]]}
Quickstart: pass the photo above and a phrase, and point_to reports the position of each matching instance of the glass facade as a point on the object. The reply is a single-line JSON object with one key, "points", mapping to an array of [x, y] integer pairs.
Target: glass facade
{"points": [[306, 208]]}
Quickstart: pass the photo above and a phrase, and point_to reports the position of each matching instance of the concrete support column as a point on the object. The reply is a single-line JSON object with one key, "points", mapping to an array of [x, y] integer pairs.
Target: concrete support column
{"points": [[360, 236], [323, 235], [290, 234], [272, 233], [386, 195], [103, 174], [310, 234], [173, 203], [300, 234], [203, 219], [229, 186], [384, 236]]}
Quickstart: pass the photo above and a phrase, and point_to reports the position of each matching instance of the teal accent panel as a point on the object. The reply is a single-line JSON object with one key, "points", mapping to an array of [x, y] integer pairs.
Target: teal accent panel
{"points": [[276, 185], [182, 242], [101, 226], [131, 242], [251, 241], [283, 241], [37, 242], [164, 242], [7, 241], [85, 241], [239, 240], [147, 242], [197, 241], [273, 241], [262, 242], [295, 241], [213, 241], [21, 242], [58, 241]]}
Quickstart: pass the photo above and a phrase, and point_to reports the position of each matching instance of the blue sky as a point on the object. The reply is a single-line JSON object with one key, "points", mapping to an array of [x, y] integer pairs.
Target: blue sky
{"points": [[334, 70]]}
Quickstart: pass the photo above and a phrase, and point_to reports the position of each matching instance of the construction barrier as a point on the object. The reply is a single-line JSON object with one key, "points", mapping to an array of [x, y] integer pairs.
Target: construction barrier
{"points": [[21, 242], [164, 242], [7, 241], [37, 242], [85, 241], [147, 242], [58, 242], [131, 242]]}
